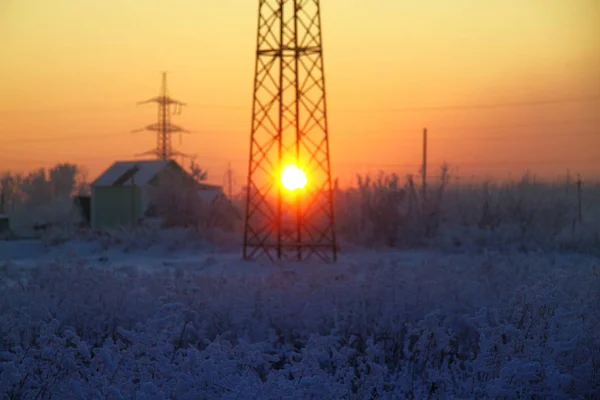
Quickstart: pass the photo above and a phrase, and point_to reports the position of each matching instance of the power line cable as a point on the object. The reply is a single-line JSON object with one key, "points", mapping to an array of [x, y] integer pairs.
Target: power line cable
{"points": [[482, 163], [579, 99], [589, 98], [480, 106], [362, 165], [62, 138], [371, 134], [536, 136]]}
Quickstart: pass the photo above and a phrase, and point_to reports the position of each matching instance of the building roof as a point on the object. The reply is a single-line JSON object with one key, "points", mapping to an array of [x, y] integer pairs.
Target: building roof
{"points": [[210, 195], [207, 186], [143, 172], [121, 172]]}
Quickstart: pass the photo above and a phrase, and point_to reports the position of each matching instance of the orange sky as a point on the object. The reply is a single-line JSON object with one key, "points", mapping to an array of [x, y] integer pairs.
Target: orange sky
{"points": [[75, 68]]}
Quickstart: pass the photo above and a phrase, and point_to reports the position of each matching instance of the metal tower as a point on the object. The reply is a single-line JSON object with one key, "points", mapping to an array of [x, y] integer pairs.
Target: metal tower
{"points": [[289, 127], [163, 127]]}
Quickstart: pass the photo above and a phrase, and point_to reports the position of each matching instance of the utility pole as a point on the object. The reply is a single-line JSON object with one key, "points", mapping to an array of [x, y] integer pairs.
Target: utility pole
{"points": [[163, 127], [411, 194], [579, 199], [424, 169], [133, 201], [229, 181]]}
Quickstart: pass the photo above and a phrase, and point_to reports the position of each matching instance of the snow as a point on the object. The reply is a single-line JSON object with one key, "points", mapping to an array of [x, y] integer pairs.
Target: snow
{"points": [[22, 250], [148, 169], [115, 319]]}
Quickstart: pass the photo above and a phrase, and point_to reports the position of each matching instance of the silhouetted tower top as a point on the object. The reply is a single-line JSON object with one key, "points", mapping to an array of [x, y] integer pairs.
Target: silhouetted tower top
{"points": [[167, 106]]}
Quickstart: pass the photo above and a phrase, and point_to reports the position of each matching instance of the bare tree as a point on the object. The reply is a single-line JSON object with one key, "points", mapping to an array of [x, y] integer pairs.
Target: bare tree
{"points": [[10, 186], [36, 188], [196, 172], [82, 182], [62, 179]]}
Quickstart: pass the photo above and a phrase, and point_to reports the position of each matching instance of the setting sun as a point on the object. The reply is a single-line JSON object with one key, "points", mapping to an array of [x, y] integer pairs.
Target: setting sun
{"points": [[293, 178]]}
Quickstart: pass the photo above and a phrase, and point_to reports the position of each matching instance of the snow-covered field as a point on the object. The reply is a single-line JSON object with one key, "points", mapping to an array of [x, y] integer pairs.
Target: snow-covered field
{"points": [[83, 320]]}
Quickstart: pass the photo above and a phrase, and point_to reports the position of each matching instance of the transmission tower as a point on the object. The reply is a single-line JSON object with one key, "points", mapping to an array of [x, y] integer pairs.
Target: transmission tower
{"points": [[289, 127], [163, 127], [229, 180]]}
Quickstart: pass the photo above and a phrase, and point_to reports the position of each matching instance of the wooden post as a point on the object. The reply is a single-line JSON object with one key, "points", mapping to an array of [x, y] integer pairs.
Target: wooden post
{"points": [[133, 201], [424, 170], [579, 199], [229, 183], [410, 195]]}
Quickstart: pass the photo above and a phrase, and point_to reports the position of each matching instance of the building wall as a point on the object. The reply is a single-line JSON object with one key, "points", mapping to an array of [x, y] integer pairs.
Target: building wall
{"points": [[114, 207], [148, 192], [4, 223]]}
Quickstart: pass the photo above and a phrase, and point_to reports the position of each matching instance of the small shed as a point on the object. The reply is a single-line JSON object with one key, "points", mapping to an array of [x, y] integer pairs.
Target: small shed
{"points": [[4, 220], [4, 224], [83, 204], [121, 196]]}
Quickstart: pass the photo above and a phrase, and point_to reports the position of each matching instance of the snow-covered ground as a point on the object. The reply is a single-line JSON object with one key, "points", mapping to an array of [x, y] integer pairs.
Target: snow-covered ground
{"points": [[87, 320]]}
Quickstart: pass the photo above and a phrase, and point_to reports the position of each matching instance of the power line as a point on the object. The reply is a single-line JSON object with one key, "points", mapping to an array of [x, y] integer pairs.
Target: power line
{"points": [[455, 128], [373, 134], [363, 165], [503, 137], [416, 130], [451, 107], [391, 135], [61, 138], [77, 159], [480, 106], [482, 163], [214, 158]]}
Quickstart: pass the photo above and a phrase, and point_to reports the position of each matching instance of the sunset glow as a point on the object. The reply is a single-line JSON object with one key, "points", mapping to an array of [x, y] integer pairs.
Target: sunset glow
{"points": [[72, 72], [293, 178]]}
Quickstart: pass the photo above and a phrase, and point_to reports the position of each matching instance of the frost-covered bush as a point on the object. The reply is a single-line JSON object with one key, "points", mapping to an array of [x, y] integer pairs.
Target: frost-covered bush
{"points": [[59, 214], [392, 326], [42, 198], [525, 214]]}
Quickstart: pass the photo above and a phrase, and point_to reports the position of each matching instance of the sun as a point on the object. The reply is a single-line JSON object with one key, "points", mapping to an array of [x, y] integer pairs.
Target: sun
{"points": [[293, 178]]}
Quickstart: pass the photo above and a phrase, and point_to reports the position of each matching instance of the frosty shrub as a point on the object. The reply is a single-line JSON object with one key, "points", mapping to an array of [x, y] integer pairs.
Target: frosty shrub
{"points": [[42, 198], [57, 214], [499, 326], [371, 214], [526, 214]]}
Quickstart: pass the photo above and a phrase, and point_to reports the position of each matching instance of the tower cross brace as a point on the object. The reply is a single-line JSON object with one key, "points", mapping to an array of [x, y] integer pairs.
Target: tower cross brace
{"points": [[289, 127]]}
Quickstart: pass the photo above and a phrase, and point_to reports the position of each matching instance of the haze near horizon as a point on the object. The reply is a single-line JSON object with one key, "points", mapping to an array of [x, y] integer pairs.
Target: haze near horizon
{"points": [[501, 88]]}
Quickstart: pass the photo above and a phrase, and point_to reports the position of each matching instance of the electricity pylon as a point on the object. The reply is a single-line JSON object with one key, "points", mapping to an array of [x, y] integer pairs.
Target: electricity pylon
{"points": [[167, 106], [289, 126]]}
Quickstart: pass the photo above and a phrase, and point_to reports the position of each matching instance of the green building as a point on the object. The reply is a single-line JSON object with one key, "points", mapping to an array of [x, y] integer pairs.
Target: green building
{"points": [[4, 221], [4, 224], [121, 196]]}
